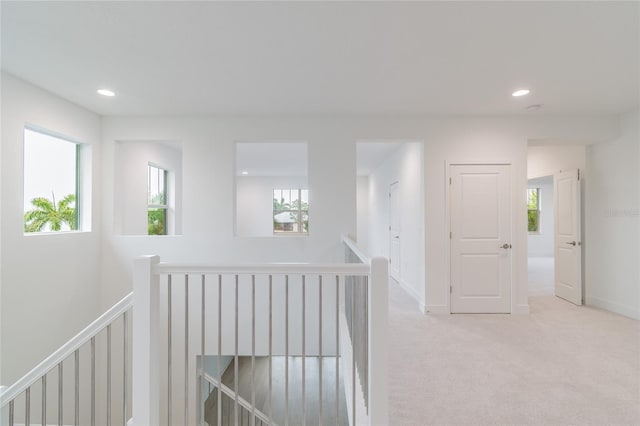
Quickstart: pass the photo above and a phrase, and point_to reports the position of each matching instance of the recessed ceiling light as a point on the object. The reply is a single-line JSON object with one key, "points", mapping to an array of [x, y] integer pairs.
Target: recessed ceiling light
{"points": [[534, 107], [244, 172], [520, 92], [106, 92]]}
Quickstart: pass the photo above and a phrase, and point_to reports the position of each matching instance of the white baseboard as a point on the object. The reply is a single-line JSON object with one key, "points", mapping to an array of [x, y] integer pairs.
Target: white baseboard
{"points": [[409, 290], [438, 309], [614, 307], [522, 309]]}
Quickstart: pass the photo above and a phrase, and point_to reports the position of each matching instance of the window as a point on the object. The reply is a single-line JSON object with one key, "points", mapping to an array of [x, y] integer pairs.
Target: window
{"points": [[290, 211], [147, 190], [51, 183], [533, 210], [156, 201]]}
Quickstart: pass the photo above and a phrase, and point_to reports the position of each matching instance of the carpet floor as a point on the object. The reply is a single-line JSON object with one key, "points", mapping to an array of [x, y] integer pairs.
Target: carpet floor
{"points": [[560, 365]]}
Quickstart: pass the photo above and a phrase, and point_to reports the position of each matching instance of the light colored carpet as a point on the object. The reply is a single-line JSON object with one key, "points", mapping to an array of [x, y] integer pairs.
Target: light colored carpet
{"points": [[541, 276], [560, 365]]}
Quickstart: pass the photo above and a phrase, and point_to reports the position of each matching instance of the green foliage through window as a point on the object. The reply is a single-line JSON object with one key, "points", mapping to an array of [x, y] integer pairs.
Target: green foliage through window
{"points": [[48, 215], [291, 211], [157, 221], [156, 201], [533, 209]]}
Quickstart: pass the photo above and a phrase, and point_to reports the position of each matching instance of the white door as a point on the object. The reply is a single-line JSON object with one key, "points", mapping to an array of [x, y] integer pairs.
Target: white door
{"points": [[480, 209], [568, 246], [394, 232]]}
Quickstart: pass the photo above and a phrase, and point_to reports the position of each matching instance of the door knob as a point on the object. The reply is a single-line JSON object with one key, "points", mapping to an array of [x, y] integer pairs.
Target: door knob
{"points": [[505, 246], [573, 243]]}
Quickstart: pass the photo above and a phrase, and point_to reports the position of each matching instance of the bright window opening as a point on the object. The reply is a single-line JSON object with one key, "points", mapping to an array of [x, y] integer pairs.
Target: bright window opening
{"points": [[290, 211], [51, 183], [157, 205], [533, 210]]}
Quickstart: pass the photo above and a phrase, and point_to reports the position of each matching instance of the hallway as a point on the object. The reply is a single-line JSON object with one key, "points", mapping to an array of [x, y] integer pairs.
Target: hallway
{"points": [[560, 365], [541, 277]]}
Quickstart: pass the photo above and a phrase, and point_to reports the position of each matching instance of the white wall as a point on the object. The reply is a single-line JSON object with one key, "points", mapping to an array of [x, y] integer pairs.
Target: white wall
{"points": [[541, 244], [612, 278], [405, 167], [208, 186], [254, 203], [130, 199], [362, 208], [50, 283], [546, 160]]}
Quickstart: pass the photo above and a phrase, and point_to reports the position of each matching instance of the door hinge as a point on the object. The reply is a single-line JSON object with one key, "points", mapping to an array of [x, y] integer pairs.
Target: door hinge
{"points": [[450, 235], [449, 181], [578, 174], [450, 289]]}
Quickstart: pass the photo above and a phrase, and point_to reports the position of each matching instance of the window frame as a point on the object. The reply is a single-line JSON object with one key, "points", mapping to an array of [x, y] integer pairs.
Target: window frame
{"points": [[165, 193], [79, 199], [537, 210], [298, 212]]}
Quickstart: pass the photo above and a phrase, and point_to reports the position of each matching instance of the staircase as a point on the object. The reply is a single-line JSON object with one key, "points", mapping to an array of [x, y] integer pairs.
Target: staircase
{"points": [[308, 343], [277, 408]]}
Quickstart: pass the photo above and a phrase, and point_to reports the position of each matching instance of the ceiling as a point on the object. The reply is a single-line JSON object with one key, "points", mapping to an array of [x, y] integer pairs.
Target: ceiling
{"points": [[328, 58]]}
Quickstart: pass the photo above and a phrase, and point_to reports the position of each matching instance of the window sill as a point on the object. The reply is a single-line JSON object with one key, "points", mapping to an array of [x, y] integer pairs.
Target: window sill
{"points": [[33, 234]]}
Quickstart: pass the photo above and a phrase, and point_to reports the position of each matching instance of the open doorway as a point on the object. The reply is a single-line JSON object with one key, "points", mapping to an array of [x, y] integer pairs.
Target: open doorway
{"points": [[540, 239], [556, 170], [390, 209]]}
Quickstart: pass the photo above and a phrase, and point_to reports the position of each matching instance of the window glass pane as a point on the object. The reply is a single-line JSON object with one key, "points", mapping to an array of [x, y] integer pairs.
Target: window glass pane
{"points": [[286, 195], [157, 221], [157, 194], [290, 211], [278, 200], [50, 183], [532, 198], [533, 220], [533, 207]]}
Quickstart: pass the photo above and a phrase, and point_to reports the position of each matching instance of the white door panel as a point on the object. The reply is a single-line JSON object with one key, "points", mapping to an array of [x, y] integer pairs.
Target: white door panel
{"points": [[568, 247], [480, 206]]}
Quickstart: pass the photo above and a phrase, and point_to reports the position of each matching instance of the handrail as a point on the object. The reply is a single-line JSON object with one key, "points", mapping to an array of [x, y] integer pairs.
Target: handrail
{"points": [[241, 401], [356, 250], [66, 350], [352, 269]]}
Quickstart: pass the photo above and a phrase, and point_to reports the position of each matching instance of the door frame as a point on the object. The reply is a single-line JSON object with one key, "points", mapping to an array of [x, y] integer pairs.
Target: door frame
{"points": [[513, 222], [581, 188], [389, 237]]}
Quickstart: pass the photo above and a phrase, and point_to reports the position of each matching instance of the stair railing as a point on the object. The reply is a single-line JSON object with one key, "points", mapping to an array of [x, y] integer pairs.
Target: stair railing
{"points": [[186, 311], [364, 342], [23, 402], [244, 407]]}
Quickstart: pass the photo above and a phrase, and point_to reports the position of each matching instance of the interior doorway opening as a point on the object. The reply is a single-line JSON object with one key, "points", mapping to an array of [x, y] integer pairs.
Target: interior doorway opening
{"points": [[540, 239], [390, 209]]}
